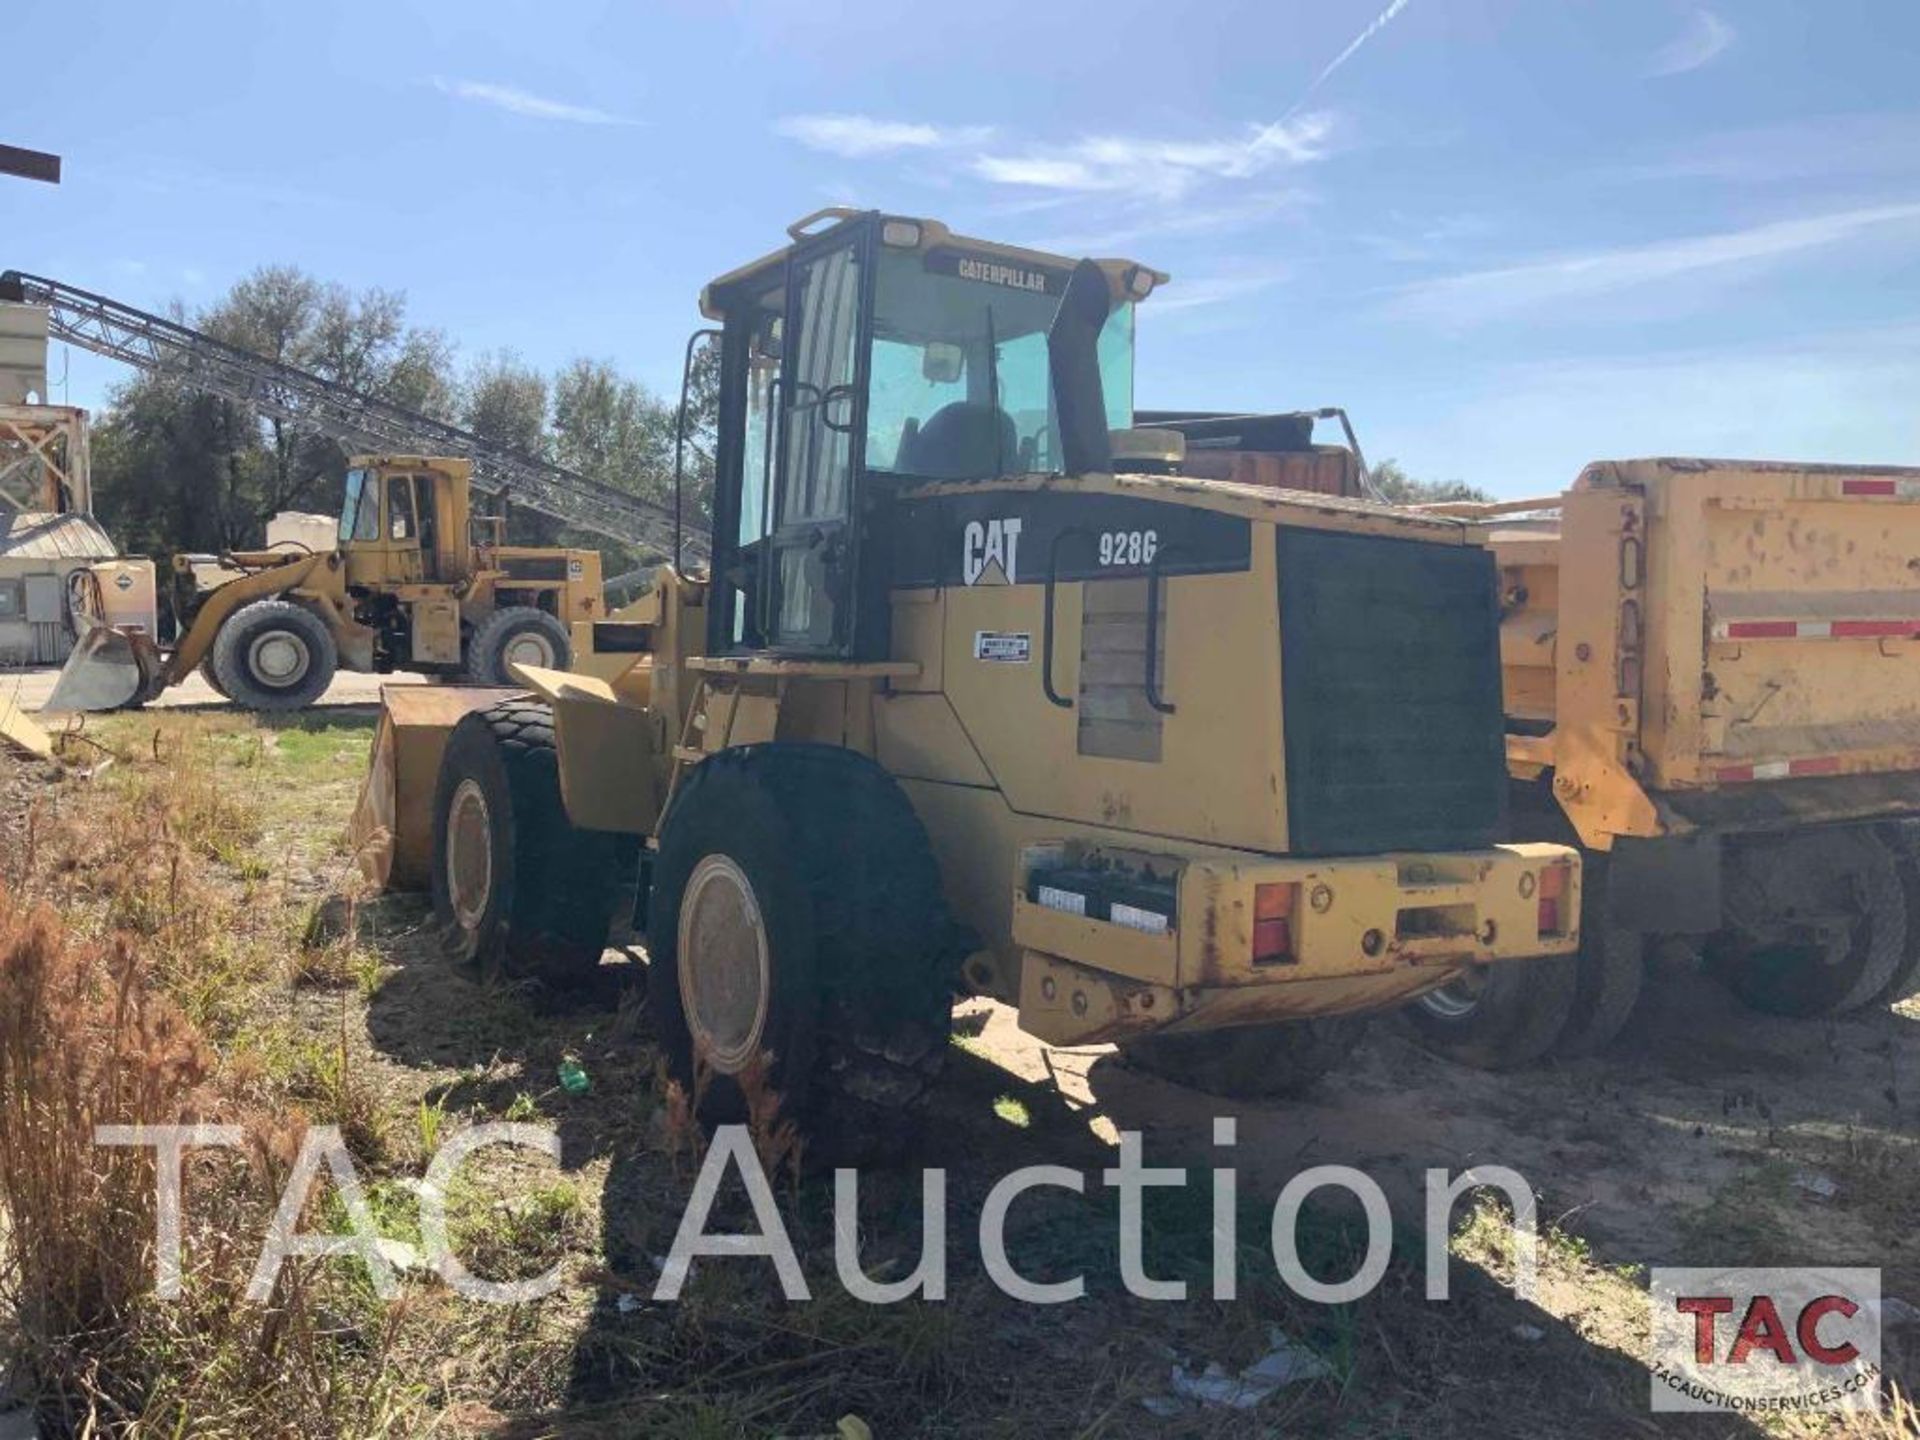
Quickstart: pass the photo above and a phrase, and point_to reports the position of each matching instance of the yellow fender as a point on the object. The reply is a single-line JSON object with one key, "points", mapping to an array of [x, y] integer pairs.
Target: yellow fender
{"points": [[220, 604]]}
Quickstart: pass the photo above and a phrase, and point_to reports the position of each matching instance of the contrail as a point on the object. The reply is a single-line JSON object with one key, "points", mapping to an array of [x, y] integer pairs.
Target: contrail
{"points": [[1380, 23]]}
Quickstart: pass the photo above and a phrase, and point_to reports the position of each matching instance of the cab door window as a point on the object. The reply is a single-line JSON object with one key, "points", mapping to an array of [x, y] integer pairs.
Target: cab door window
{"points": [[401, 527]]}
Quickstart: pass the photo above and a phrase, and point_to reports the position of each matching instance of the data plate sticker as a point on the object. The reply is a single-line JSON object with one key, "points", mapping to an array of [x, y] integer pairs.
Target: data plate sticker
{"points": [[1008, 647]]}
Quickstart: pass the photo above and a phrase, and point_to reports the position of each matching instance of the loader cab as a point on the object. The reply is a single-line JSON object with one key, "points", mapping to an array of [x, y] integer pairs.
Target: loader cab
{"points": [[879, 353], [404, 521]]}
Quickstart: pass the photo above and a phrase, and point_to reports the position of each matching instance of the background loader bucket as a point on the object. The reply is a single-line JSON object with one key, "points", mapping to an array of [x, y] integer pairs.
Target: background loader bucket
{"points": [[392, 826], [108, 669]]}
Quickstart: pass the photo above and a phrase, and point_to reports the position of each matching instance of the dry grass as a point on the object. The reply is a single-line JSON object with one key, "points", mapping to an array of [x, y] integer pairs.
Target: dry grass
{"points": [[186, 977]]}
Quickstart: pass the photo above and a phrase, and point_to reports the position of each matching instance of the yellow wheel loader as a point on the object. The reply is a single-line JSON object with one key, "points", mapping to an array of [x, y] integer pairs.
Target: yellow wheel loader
{"points": [[962, 706], [415, 582]]}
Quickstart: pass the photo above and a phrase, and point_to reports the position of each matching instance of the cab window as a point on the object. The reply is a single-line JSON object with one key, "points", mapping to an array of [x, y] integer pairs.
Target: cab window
{"points": [[400, 508], [360, 512]]}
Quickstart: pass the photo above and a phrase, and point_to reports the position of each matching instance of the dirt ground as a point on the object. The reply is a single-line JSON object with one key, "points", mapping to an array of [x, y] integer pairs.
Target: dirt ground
{"points": [[31, 687], [1710, 1136]]}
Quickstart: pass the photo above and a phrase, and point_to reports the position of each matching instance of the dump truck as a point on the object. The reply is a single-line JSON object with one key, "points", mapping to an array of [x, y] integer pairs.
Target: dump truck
{"points": [[1712, 680], [962, 707], [415, 582]]}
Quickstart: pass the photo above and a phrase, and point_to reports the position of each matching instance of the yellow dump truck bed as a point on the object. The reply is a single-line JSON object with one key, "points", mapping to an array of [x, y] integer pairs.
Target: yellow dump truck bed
{"points": [[1686, 641]]}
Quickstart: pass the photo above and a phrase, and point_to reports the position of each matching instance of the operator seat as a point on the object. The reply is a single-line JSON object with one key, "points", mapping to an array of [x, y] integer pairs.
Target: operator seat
{"points": [[962, 441]]}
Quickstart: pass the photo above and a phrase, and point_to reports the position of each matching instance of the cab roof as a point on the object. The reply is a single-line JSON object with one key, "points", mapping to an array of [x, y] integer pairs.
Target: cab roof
{"points": [[1127, 278]]}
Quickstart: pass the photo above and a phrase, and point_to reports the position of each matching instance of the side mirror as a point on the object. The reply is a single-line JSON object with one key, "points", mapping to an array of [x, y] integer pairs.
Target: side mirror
{"points": [[941, 363]]}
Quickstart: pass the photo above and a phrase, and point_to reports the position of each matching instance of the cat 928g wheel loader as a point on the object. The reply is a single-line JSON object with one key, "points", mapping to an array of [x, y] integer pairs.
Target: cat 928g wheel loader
{"points": [[415, 582], [1200, 768]]}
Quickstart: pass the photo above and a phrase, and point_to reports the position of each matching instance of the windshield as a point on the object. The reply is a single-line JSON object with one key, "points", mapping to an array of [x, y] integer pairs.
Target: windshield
{"points": [[961, 387], [360, 511]]}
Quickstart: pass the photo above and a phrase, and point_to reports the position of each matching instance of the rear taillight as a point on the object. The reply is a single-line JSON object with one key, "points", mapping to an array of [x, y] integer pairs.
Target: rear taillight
{"points": [[1273, 923], [1552, 895]]}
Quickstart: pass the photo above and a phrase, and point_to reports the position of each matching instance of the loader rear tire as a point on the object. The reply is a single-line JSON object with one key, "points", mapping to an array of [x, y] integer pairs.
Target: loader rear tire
{"points": [[1250, 1062], [1850, 869], [801, 960], [516, 633], [517, 888], [273, 656], [1500, 1016]]}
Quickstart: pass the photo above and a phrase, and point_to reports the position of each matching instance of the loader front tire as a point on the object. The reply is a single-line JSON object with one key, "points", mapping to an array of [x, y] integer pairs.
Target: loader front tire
{"points": [[274, 655], [517, 888], [801, 960], [1250, 1062], [1498, 1016], [516, 633]]}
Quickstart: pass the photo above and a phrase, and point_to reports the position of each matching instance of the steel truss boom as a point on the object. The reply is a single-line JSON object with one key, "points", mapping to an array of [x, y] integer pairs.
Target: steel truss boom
{"points": [[108, 327]]}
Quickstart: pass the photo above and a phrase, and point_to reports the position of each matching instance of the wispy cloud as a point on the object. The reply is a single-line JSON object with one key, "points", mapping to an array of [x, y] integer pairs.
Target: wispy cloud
{"points": [[1380, 22], [522, 102], [1206, 291], [1164, 169], [1705, 37], [860, 136], [1155, 221], [1493, 294], [1820, 146]]}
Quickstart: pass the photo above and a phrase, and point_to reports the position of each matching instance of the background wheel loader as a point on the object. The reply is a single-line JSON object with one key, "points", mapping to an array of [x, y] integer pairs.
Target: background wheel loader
{"points": [[415, 582], [958, 709]]}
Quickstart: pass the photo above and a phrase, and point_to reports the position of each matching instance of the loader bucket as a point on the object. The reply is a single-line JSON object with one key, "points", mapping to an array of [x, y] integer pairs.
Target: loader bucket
{"points": [[392, 826], [108, 669]]}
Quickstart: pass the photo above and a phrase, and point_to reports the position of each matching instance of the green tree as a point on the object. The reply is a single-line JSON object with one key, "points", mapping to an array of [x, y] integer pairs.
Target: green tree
{"points": [[1399, 488], [177, 469]]}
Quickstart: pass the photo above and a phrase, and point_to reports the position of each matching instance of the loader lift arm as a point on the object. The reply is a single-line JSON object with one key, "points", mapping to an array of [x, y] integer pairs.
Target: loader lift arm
{"points": [[122, 332]]}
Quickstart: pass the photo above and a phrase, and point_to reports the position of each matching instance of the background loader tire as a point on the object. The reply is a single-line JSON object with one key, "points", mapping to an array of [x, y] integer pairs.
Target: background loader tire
{"points": [[208, 674], [817, 1002], [517, 888], [1813, 871], [1507, 1015], [516, 632], [274, 655], [1250, 1062]]}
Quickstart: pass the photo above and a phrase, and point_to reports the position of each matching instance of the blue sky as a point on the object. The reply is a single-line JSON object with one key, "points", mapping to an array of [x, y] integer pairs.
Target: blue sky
{"points": [[1510, 236]]}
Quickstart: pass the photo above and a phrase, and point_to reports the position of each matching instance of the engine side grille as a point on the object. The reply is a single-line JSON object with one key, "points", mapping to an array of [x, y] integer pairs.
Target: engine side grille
{"points": [[1390, 664]]}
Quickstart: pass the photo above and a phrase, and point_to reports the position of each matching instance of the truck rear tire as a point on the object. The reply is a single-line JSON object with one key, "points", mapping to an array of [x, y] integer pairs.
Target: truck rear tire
{"points": [[1250, 1062], [1609, 975], [801, 960], [517, 888], [273, 656], [1500, 1016], [1845, 872], [1905, 983], [517, 633]]}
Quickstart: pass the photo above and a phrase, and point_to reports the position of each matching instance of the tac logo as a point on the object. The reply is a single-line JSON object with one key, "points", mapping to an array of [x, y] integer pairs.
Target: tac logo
{"points": [[990, 552], [1766, 1340]]}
